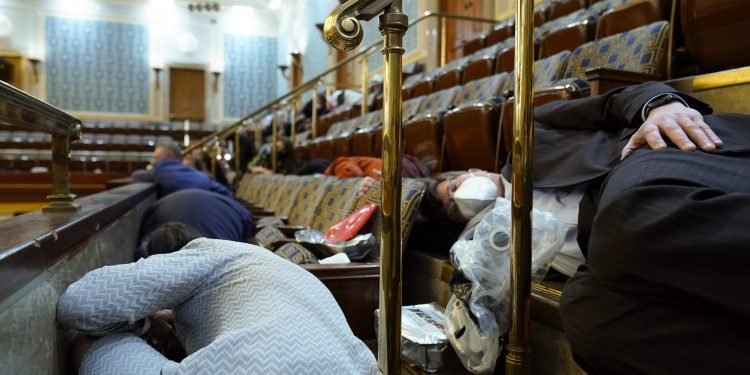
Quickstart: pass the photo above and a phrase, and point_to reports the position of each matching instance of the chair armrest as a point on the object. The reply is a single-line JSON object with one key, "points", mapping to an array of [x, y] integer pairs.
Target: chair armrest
{"points": [[277, 244], [350, 270], [474, 106], [602, 80], [260, 211], [289, 230]]}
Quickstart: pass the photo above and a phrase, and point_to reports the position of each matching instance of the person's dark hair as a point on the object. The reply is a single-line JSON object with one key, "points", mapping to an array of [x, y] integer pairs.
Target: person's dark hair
{"points": [[431, 207], [169, 238]]}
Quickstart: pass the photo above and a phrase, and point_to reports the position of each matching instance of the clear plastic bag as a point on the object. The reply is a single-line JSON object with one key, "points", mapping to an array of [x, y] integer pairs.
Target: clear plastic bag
{"points": [[476, 321], [357, 249]]}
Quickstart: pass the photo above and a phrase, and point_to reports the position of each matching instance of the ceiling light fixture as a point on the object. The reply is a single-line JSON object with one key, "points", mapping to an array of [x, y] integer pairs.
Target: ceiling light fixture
{"points": [[274, 4]]}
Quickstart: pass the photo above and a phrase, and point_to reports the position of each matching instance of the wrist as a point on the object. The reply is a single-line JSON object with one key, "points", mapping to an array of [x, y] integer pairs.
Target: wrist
{"points": [[661, 100]]}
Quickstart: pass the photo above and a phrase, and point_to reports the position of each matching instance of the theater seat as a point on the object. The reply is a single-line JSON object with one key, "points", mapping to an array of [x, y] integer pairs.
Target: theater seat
{"points": [[482, 63], [499, 33], [565, 39], [308, 197], [627, 58], [715, 32], [423, 87], [342, 145], [412, 192], [473, 45], [475, 127], [564, 7], [447, 76], [627, 17], [325, 148], [423, 133], [475, 116]]}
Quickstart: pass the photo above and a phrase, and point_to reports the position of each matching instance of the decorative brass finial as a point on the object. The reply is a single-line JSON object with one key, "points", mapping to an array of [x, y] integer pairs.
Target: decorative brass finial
{"points": [[342, 28]]}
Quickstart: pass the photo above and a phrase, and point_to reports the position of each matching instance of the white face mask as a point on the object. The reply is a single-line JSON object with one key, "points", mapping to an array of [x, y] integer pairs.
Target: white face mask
{"points": [[474, 194]]}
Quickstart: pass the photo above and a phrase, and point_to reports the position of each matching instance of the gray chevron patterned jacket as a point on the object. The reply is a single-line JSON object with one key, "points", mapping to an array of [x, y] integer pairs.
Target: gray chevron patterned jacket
{"points": [[239, 309]]}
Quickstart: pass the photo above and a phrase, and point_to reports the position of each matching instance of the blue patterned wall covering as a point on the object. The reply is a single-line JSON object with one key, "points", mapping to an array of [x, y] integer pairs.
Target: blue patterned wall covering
{"points": [[97, 66], [315, 55], [249, 73], [372, 34]]}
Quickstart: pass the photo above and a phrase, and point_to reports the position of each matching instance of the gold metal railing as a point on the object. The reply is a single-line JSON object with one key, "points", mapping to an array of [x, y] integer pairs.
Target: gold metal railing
{"points": [[18, 108], [314, 82], [343, 30], [518, 359]]}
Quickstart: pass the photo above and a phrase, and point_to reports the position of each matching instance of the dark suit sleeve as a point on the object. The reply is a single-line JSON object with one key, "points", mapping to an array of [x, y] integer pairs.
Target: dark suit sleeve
{"points": [[614, 110], [220, 189]]}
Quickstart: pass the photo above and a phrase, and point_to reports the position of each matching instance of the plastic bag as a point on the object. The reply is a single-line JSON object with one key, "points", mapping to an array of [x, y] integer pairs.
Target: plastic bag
{"points": [[477, 319], [357, 249]]}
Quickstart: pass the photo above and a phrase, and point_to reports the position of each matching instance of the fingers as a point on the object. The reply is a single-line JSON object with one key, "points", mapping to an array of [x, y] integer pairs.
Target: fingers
{"points": [[697, 133], [707, 129], [678, 133], [652, 135]]}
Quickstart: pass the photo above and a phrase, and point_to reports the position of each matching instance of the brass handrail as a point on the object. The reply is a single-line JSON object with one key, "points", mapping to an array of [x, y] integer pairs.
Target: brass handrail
{"points": [[312, 83], [518, 358], [21, 109]]}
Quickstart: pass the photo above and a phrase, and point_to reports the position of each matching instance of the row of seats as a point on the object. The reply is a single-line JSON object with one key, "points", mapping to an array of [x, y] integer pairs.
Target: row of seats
{"points": [[80, 161], [103, 145], [316, 202], [461, 127], [90, 142], [497, 56], [131, 126]]}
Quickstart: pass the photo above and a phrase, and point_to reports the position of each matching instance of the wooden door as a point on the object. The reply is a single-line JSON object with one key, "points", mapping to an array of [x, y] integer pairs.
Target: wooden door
{"points": [[187, 94], [11, 70], [460, 31]]}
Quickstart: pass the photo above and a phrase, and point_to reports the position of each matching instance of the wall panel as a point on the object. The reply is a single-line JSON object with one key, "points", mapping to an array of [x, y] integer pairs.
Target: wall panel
{"points": [[249, 73], [97, 66]]}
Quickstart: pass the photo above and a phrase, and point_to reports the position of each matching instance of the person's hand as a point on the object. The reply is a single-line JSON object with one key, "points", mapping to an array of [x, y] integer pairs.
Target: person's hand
{"points": [[682, 125]]}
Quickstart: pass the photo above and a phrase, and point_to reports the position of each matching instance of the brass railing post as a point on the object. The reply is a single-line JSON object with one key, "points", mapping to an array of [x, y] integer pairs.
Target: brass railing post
{"points": [[293, 135], [343, 31], [393, 25], [214, 157], [518, 359], [274, 137], [443, 40], [315, 111], [365, 78], [237, 150], [61, 199], [258, 134]]}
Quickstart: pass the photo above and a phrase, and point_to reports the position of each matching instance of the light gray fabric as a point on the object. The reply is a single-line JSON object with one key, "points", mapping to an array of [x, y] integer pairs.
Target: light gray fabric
{"points": [[238, 309]]}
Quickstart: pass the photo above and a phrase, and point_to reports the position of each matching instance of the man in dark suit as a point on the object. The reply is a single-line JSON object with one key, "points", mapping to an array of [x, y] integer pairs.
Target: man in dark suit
{"points": [[212, 215], [665, 232], [170, 175]]}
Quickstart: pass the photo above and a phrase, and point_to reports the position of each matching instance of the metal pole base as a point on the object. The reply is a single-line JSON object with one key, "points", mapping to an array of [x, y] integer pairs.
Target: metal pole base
{"points": [[61, 203]]}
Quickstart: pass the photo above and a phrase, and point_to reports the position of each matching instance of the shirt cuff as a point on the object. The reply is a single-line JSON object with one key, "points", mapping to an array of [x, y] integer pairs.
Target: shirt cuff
{"points": [[672, 96]]}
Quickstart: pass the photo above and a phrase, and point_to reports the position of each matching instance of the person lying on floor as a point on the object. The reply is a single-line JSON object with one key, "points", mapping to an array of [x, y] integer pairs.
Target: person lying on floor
{"points": [[662, 221], [237, 308], [170, 175], [212, 215], [576, 143]]}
